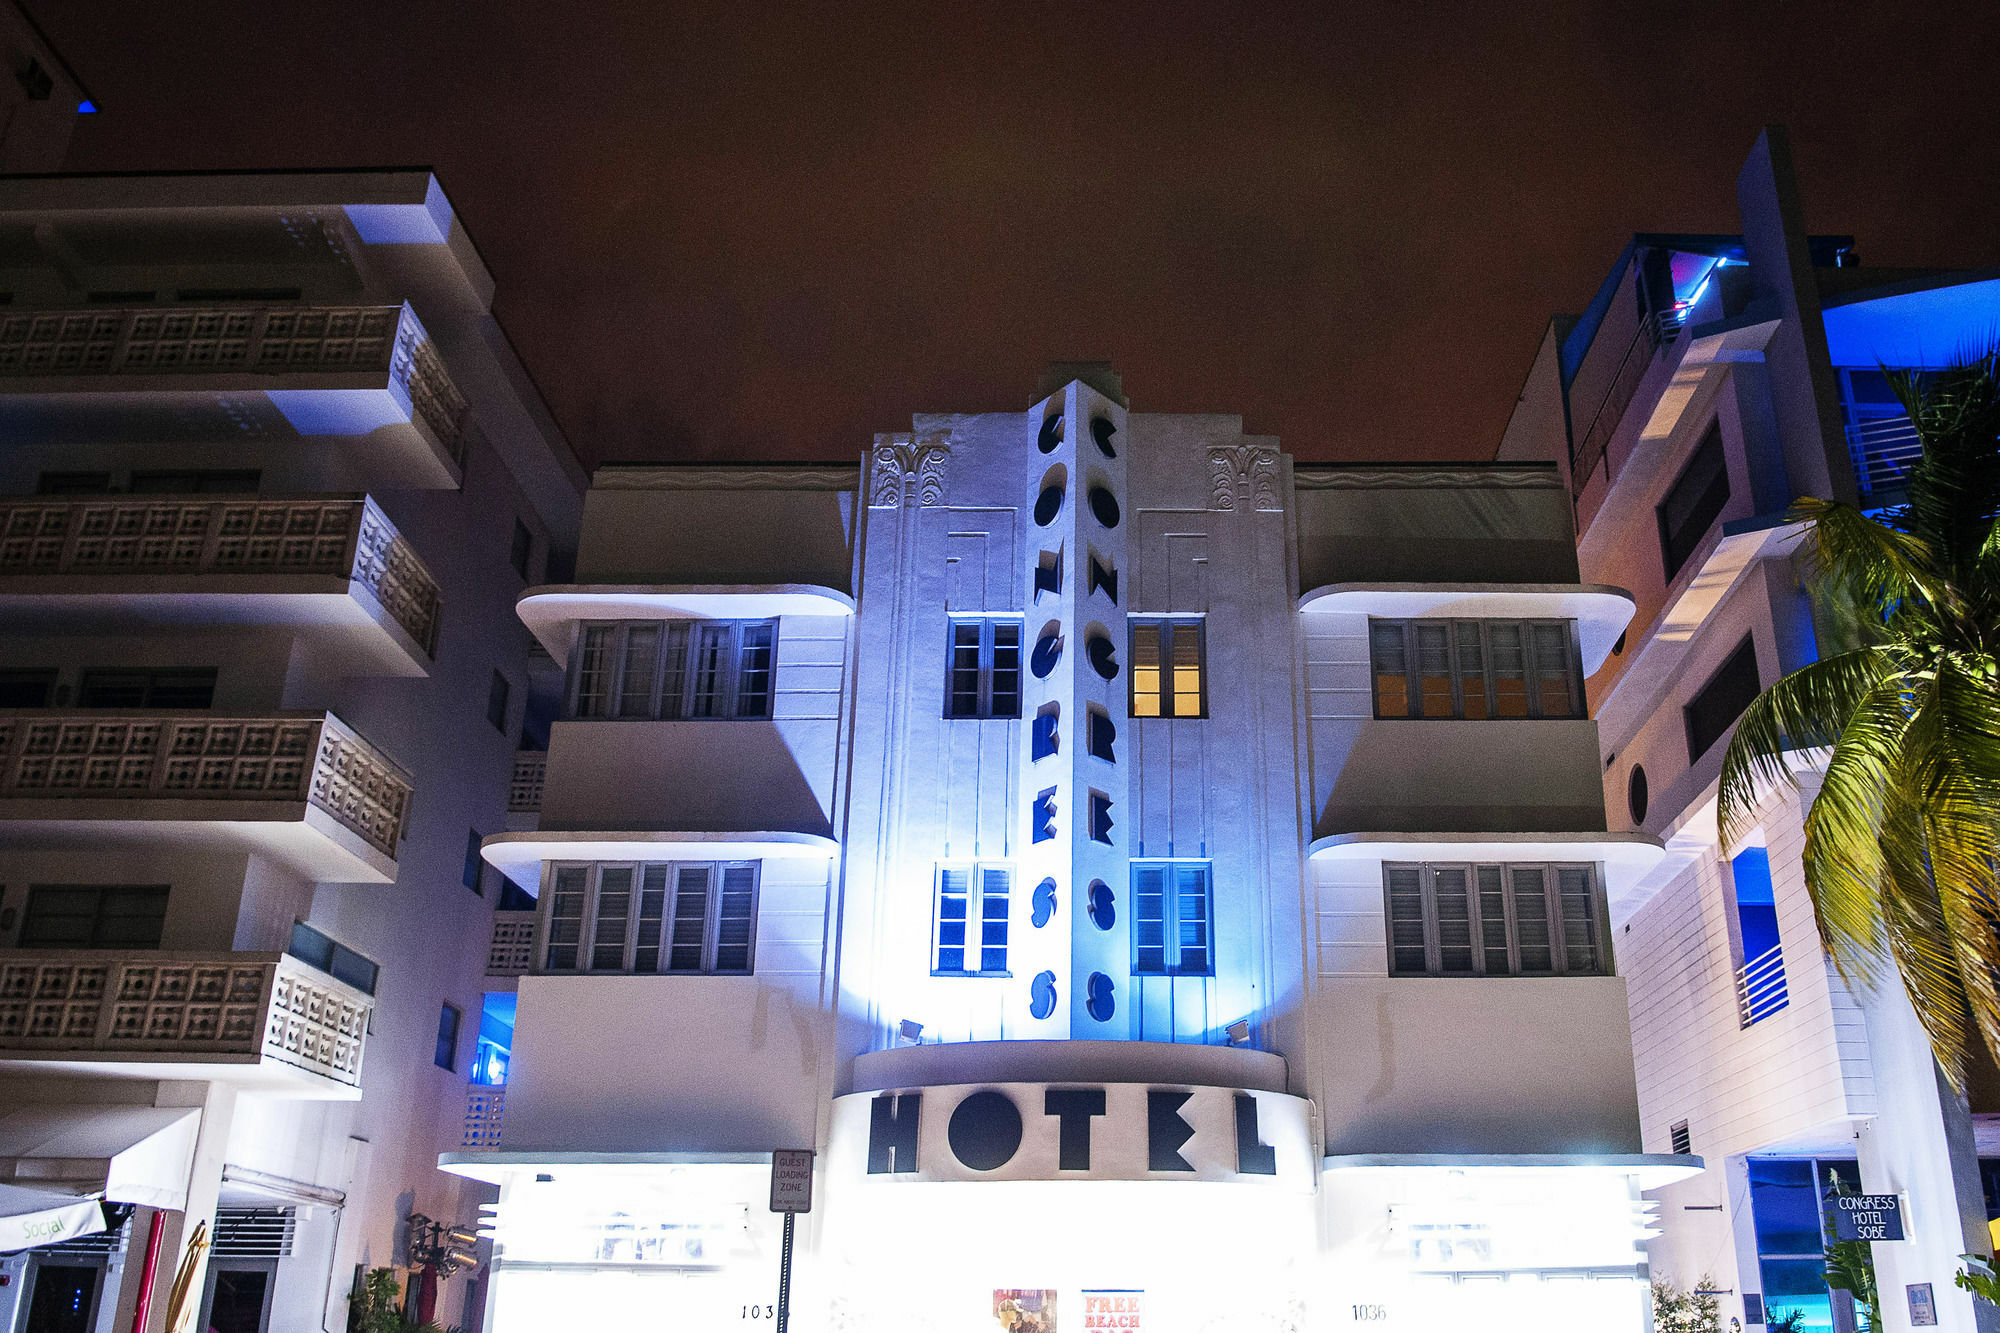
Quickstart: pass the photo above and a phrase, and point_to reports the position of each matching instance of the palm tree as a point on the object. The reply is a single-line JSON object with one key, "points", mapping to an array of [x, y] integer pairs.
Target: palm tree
{"points": [[1901, 841]]}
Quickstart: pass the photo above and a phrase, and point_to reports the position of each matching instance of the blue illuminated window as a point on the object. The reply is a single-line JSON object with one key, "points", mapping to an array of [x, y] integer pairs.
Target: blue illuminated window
{"points": [[1173, 918], [985, 669], [971, 921], [1760, 965]]}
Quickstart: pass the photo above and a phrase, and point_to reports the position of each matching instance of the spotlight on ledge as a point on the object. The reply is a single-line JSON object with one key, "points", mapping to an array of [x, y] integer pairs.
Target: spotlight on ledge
{"points": [[1238, 1032], [910, 1033]]}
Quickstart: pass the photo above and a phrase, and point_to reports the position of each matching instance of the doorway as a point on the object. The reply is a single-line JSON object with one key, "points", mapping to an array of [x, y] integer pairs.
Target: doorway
{"points": [[237, 1297], [63, 1298]]}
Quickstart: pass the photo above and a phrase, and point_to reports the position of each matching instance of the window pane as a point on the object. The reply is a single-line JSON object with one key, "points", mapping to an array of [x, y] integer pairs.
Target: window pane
{"points": [[652, 916], [642, 660], [1392, 666], [1406, 919], [993, 920], [1434, 668], [1187, 670], [309, 945], [614, 913], [1006, 670], [59, 918], [1149, 917], [690, 925], [736, 918], [964, 697], [1509, 663], [1493, 921], [1531, 918], [673, 671], [181, 689], [753, 671], [1698, 497], [1471, 669], [112, 689], [1191, 909], [593, 674], [1145, 671], [1454, 918], [709, 696], [566, 917], [1722, 700], [954, 897], [131, 918], [1552, 681], [446, 1055], [1579, 918], [354, 969]]}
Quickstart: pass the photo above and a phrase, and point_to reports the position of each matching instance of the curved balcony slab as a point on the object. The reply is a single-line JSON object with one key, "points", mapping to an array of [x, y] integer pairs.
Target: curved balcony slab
{"points": [[939, 1064], [551, 612], [1601, 612], [1626, 857], [519, 856]]}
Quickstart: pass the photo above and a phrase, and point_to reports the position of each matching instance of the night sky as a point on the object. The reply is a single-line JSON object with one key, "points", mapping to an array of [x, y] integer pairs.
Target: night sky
{"points": [[767, 232]]}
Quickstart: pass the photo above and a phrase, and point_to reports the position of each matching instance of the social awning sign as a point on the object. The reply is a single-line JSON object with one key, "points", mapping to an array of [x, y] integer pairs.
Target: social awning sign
{"points": [[1867, 1217]]}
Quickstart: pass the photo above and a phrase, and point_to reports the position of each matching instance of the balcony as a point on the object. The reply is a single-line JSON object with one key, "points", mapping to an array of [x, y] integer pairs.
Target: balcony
{"points": [[485, 1109], [1760, 987], [302, 788], [334, 566], [265, 1020], [274, 372]]}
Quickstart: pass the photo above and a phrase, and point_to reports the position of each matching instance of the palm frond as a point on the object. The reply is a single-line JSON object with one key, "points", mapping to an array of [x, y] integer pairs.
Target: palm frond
{"points": [[1852, 558], [1805, 710]]}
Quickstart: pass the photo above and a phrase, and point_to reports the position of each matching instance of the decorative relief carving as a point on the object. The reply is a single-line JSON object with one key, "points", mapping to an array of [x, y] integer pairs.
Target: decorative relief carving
{"points": [[1243, 476], [907, 471]]}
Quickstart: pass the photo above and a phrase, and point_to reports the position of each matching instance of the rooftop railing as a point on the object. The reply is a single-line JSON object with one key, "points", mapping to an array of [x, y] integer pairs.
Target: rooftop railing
{"points": [[138, 757], [234, 339], [126, 1003], [343, 536]]}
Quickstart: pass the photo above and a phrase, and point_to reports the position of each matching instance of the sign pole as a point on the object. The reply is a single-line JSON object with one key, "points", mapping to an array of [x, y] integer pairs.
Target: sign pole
{"points": [[785, 1277], [791, 1194]]}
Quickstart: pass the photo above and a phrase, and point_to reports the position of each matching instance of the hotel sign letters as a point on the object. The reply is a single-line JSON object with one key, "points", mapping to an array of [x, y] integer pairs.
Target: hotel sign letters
{"points": [[1019, 1131]]}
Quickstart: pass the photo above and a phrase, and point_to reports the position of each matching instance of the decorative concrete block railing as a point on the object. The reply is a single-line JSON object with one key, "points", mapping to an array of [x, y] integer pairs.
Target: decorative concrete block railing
{"points": [[485, 1108], [524, 793], [140, 757], [512, 951], [1760, 986], [211, 340], [344, 536], [73, 1003]]}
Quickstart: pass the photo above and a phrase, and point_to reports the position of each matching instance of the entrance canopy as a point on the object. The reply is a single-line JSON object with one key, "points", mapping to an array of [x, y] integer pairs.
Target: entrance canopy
{"points": [[123, 1154]]}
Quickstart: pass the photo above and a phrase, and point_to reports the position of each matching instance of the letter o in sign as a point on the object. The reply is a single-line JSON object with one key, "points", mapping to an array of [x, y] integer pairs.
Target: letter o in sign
{"points": [[985, 1131]]}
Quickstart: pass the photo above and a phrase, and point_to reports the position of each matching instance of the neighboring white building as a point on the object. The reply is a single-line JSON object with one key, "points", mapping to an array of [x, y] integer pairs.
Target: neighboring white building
{"points": [[1166, 885], [270, 480], [1712, 381]]}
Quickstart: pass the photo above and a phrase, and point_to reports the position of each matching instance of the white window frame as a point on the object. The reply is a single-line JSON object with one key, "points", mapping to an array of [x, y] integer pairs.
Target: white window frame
{"points": [[1173, 962], [977, 891], [986, 627], [1533, 669], [1555, 921], [668, 694], [1168, 629], [631, 940]]}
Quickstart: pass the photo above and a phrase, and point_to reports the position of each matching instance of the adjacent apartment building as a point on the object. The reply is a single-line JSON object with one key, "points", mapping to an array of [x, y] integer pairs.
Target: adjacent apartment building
{"points": [[271, 480], [1168, 887], [1714, 379]]}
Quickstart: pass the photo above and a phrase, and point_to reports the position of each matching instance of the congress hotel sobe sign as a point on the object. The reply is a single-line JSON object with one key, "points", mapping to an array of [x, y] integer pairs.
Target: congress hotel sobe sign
{"points": [[1074, 1131]]}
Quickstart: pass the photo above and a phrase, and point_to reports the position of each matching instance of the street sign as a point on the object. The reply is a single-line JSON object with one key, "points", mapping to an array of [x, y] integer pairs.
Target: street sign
{"points": [[1867, 1217], [792, 1180]]}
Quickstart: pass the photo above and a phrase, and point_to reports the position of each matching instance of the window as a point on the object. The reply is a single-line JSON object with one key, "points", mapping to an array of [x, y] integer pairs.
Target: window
{"points": [[1168, 673], [1493, 920], [94, 916], [985, 669], [1173, 917], [26, 689], [1475, 669], [1721, 701], [189, 689], [679, 917], [1695, 501], [521, 548], [473, 874], [971, 935], [674, 669], [446, 1054], [496, 702], [332, 957]]}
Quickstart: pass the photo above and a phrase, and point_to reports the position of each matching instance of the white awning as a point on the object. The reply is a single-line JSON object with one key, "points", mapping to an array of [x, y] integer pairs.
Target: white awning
{"points": [[126, 1154], [29, 1218]]}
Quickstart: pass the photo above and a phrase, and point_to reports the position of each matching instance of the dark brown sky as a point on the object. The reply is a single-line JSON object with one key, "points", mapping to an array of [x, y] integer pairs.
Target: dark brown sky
{"points": [[764, 231]]}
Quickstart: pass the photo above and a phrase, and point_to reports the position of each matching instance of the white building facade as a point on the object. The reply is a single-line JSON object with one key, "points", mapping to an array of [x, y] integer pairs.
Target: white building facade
{"points": [[1165, 886], [1713, 381], [270, 481]]}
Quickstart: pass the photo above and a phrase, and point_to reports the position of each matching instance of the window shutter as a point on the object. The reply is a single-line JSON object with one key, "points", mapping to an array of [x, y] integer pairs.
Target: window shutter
{"points": [[1434, 668], [993, 885], [673, 671], [652, 919], [710, 695], [753, 671], [614, 914], [736, 919], [1191, 908], [1508, 661], [1471, 670], [1531, 918], [565, 931], [690, 924], [953, 894], [1454, 919], [1186, 640], [1145, 670], [1149, 918], [642, 662], [1392, 668], [593, 672], [1552, 684], [1406, 920], [1006, 677], [1578, 901], [1493, 932]]}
